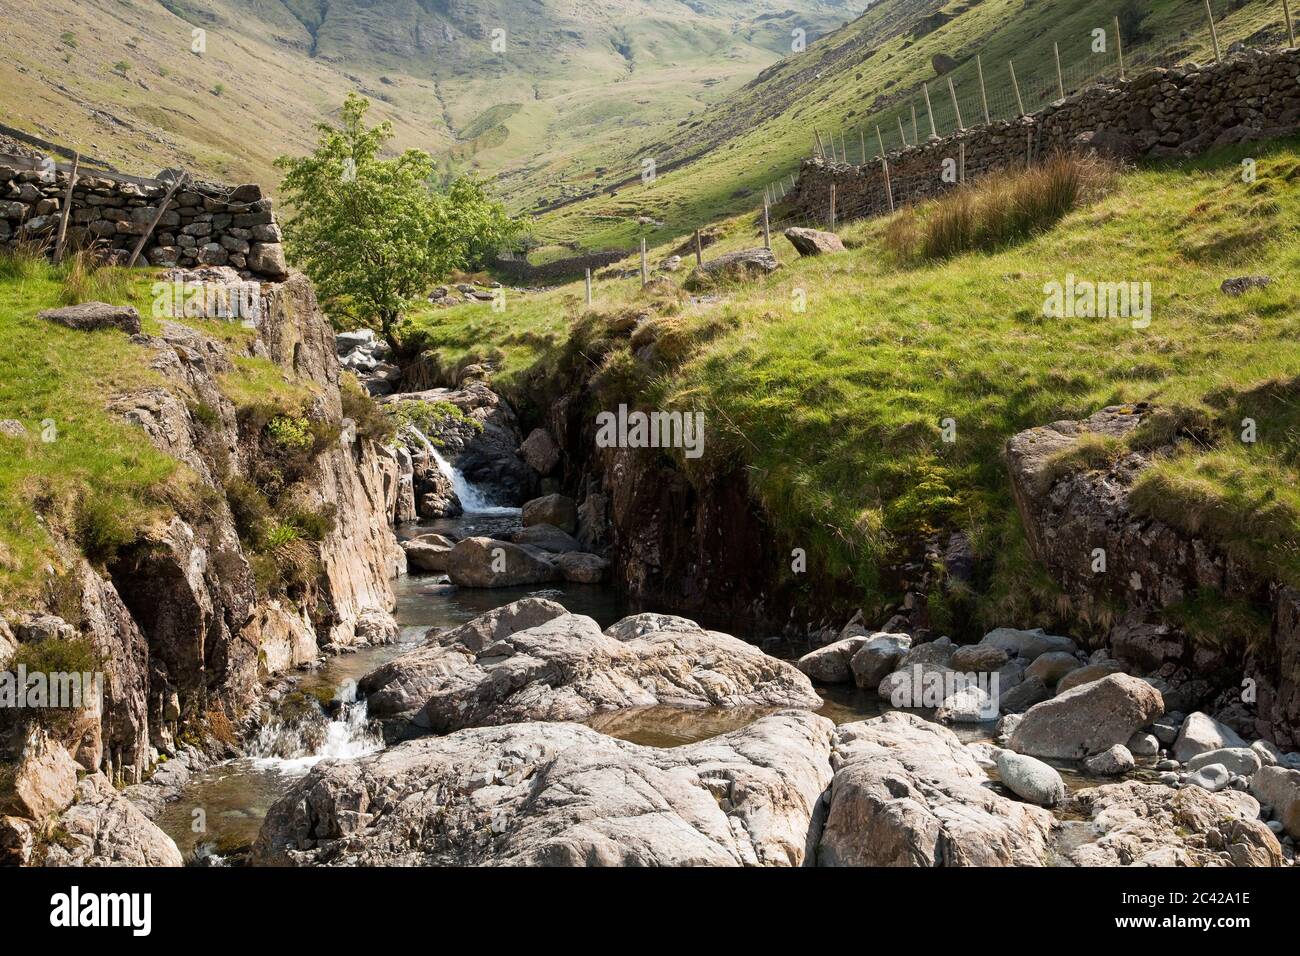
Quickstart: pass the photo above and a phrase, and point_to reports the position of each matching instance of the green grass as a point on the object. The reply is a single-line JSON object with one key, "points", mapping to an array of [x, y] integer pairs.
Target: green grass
{"points": [[96, 484], [836, 412]]}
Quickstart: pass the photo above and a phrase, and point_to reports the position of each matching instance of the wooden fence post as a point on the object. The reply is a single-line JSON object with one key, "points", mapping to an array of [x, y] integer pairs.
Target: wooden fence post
{"points": [[1290, 28], [832, 207], [589, 288], [67, 210], [1029, 148], [699, 249], [645, 265], [984, 95], [1060, 77], [961, 162], [901, 134], [916, 132], [1214, 31], [1119, 48], [767, 233], [1020, 104], [821, 150], [844, 148], [952, 91], [157, 217], [925, 88], [889, 187], [862, 141], [880, 140]]}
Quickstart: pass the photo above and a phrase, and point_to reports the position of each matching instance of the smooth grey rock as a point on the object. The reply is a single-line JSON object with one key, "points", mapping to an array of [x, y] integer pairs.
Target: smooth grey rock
{"points": [[1279, 788], [1051, 666], [488, 563], [1030, 779], [582, 568], [1027, 644], [92, 316], [429, 552], [1236, 760], [1143, 745], [1212, 777], [1089, 672], [1024, 695], [1201, 733], [877, 658], [978, 658], [561, 794], [1088, 719], [1112, 762], [830, 664]]}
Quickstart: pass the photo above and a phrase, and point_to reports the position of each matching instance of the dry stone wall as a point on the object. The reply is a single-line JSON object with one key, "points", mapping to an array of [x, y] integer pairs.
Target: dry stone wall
{"points": [[203, 225], [1163, 113]]}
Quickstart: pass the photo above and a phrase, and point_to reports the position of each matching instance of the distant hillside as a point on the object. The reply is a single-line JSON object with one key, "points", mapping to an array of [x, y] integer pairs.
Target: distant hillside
{"points": [[566, 80], [720, 160]]}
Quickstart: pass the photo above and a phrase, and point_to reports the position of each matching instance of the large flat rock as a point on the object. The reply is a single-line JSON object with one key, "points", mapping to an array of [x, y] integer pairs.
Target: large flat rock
{"points": [[561, 794]]}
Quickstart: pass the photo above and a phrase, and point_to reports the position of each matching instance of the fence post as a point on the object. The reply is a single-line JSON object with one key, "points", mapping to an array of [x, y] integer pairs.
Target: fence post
{"points": [[880, 140], [1060, 78], [821, 150], [984, 96], [1214, 31], [767, 234], [916, 132], [901, 134], [862, 141], [925, 87], [589, 288], [1119, 48], [961, 163], [889, 187], [67, 210], [157, 217], [832, 207], [1290, 28], [952, 91], [1029, 148], [645, 266], [844, 148], [699, 249], [1020, 104]]}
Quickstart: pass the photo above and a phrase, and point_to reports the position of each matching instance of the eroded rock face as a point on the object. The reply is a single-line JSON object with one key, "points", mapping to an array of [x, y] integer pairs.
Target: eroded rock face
{"points": [[565, 668], [1088, 719], [907, 792], [40, 782], [562, 794], [104, 828], [1139, 824]]}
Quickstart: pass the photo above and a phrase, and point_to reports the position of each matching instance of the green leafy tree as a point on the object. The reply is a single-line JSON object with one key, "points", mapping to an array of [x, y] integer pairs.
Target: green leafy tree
{"points": [[375, 234]]}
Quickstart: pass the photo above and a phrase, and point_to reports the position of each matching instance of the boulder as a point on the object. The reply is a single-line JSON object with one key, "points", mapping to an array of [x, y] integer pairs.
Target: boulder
{"points": [[1138, 824], [567, 669], [907, 792], [488, 563], [92, 316], [1200, 734], [878, 658], [1236, 760], [1113, 762], [1240, 285], [1088, 673], [547, 537], [556, 510], [813, 242], [103, 828], [401, 686], [267, 258], [1279, 788], [1023, 696], [1030, 779], [1143, 745], [561, 794], [1213, 777], [582, 568], [1088, 719], [42, 782], [428, 552], [978, 658], [831, 664], [1052, 666], [540, 451], [942, 63], [932, 652], [1027, 644], [745, 264]]}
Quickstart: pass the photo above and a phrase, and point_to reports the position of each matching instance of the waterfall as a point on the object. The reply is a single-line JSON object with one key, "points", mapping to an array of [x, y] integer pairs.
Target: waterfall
{"points": [[296, 744], [471, 498]]}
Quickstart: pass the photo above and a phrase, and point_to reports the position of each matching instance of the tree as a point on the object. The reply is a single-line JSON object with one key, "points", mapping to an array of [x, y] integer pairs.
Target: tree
{"points": [[374, 234]]}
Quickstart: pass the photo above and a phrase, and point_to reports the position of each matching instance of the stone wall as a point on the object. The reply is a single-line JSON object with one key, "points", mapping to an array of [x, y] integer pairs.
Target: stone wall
{"points": [[524, 272], [204, 224], [1163, 113]]}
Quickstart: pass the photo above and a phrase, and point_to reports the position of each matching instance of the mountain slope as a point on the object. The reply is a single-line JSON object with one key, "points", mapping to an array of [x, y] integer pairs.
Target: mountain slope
{"points": [[869, 71], [572, 77]]}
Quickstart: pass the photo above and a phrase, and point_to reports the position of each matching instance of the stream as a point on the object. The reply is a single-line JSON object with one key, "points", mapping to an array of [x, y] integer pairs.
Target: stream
{"points": [[221, 809]]}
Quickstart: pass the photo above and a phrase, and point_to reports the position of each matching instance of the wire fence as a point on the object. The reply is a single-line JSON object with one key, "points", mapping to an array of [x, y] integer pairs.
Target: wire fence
{"points": [[981, 91]]}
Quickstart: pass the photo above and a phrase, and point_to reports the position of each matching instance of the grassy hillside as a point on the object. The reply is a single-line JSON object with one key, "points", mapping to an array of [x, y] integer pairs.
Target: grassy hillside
{"points": [[836, 411], [871, 72], [118, 78]]}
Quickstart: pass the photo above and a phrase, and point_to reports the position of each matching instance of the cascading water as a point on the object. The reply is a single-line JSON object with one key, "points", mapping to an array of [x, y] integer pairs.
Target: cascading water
{"points": [[471, 498], [295, 742]]}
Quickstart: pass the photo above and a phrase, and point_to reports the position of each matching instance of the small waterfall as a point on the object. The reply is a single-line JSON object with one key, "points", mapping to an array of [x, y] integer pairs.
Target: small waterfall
{"points": [[295, 743], [471, 498]]}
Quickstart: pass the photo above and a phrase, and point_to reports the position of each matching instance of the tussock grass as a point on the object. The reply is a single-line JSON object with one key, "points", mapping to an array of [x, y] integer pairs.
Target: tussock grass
{"points": [[999, 211]]}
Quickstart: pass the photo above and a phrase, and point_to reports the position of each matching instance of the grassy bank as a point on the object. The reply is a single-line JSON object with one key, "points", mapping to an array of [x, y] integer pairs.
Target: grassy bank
{"points": [[837, 410]]}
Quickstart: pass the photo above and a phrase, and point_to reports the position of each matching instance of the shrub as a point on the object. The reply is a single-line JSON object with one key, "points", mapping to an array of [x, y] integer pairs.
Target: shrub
{"points": [[288, 433], [371, 421], [104, 524], [57, 656]]}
